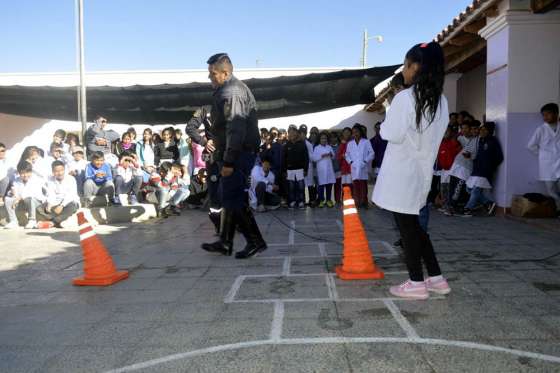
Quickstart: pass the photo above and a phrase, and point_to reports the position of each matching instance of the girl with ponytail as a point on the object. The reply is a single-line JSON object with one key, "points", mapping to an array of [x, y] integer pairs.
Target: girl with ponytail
{"points": [[414, 127]]}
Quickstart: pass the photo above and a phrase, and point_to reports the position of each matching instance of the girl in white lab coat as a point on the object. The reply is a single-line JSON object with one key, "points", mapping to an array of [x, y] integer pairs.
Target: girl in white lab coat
{"points": [[359, 155], [322, 156], [414, 127], [546, 144]]}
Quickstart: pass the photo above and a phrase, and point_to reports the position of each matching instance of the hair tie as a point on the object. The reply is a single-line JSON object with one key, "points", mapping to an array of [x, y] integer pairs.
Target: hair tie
{"points": [[423, 45]]}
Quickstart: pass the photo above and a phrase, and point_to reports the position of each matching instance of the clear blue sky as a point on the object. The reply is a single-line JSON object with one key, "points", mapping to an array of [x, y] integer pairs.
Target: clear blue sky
{"points": [[39, 35]]}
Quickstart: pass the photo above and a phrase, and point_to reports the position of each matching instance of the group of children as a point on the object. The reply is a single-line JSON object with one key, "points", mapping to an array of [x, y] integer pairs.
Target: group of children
{"points": [[469, 157], [169, 170], [323, 163], [467, 160], [49, 186]]}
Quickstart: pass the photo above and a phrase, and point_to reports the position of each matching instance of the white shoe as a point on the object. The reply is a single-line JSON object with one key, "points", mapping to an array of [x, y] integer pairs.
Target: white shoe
{"points": [[272, 207], [31, 224], [123, 198], [301, 206], [12, 225], [260, 208]]}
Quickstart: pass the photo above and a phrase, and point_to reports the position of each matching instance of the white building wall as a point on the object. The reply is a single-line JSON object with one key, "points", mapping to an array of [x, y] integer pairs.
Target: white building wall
{"points": [[471, 92]]}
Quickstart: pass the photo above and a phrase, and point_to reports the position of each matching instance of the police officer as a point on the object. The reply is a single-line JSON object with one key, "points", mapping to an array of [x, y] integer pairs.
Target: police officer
{"points": [[235, 141]]}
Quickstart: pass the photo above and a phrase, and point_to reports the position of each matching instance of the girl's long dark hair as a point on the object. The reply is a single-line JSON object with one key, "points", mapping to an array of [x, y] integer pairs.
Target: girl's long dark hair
{"points": [[428, 82]]}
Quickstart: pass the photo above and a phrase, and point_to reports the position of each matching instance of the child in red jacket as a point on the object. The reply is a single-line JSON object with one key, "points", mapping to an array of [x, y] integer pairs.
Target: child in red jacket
{"points": [[448, 150], [345, 170]]}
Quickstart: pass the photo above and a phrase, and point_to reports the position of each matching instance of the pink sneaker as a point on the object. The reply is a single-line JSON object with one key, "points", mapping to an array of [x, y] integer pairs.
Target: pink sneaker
{"points": [[410, 290], [438, 286]]}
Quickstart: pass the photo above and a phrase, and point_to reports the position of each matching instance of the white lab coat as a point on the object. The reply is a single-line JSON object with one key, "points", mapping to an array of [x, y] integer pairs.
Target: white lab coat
{"points": [[325, 170], [359, 156], [546, 144], [309, 179], [258, 176], [406, 173]]}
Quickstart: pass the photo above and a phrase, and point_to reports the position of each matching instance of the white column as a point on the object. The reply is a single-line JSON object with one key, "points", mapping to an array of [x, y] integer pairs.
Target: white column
{"points": [[522, 74]]}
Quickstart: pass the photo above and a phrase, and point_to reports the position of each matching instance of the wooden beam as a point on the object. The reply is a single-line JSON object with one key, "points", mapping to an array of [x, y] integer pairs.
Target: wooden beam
{"points": [[462, 40], [491, 12], [474, 27], [449, 50], [544, 6], [468, 51]]}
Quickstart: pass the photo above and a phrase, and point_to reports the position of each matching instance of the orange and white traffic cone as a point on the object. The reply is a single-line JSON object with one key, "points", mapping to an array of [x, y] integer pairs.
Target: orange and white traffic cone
{"points": [[357, 260], [99, 269]]}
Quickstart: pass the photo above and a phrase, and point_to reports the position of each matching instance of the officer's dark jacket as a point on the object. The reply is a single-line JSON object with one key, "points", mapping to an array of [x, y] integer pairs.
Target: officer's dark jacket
{"points": [[234, 122]]}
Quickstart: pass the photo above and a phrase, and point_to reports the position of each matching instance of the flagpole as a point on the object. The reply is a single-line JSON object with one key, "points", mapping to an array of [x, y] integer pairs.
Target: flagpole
{"points": [[82, 104]]}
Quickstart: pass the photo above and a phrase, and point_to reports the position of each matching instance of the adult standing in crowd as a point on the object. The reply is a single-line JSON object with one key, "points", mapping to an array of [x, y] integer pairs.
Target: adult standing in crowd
{"points": [[99, 139], [414, 126], [236, 142]]}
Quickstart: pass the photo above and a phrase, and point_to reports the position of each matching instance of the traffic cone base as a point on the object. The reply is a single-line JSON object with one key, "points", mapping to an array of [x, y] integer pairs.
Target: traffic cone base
{"points": [[115, 277], [375, 275]]}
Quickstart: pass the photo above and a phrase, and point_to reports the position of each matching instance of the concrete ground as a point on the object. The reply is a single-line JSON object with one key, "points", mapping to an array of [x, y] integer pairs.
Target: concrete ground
{"points": [[184, 310]]}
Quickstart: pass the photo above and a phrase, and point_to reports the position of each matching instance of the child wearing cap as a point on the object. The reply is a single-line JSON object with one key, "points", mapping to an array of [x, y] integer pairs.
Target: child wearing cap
{"points": [[77, 167]]}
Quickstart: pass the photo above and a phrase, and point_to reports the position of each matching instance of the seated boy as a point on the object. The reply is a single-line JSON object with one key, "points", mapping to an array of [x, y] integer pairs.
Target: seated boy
{"points": [[62, 197], [198, 189], [263, 188], [128, 179], [77, 168], [99, 179], [26, 193], [56, 153]]}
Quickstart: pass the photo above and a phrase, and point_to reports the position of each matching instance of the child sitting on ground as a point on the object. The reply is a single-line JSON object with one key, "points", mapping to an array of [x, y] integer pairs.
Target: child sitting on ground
{"points": [[128, 179], [262, 193], [62, 197], [198, 189], [26, 193], [99, 179], [56, 153], [125, 145], [166, 185], [77, 168]]}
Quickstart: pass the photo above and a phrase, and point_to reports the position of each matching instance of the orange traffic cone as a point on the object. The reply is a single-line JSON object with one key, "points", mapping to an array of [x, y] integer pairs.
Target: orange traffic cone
{"points": [[357, 260], [99, 269]]}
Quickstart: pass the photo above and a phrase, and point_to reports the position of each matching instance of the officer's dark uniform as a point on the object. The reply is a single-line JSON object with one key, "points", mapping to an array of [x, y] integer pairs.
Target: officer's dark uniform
{"points": [[236, 137], [212, 166]]}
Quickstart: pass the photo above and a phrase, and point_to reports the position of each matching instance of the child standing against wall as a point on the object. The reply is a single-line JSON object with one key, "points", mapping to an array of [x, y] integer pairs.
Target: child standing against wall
{"points": [[322, 156]]}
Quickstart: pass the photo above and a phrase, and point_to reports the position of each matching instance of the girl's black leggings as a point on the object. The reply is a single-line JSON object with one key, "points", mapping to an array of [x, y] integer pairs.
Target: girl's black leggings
{"points": [[417, 247]]}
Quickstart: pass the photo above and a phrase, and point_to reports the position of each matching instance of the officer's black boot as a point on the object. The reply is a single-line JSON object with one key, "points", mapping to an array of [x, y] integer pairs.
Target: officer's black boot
{"points": [[252, 234], [215, 219], [227, 231]]}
